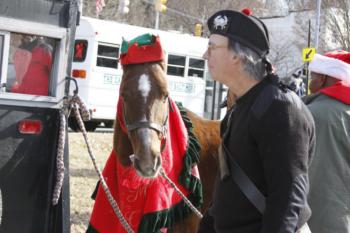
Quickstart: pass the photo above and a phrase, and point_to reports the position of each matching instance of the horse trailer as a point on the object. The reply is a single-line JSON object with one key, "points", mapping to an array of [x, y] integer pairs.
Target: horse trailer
{"points": [[98, 72], [36, 45]]}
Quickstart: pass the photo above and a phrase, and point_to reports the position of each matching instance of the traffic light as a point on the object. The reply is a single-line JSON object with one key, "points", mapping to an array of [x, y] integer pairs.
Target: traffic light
{"points": [[123, 7], [198, 29], [160, 6]]}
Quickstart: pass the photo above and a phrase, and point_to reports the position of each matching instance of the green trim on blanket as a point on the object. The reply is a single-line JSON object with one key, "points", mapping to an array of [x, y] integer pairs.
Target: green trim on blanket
{"points": [[153, 222]]}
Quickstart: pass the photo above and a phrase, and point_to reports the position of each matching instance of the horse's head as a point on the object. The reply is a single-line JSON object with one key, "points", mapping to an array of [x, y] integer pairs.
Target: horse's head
{"points": [[144, 94]]}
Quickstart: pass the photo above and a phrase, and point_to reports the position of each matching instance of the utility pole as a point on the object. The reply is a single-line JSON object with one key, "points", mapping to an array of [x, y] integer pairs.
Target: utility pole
{"points": [[160, 7], [317, 28], [157, 20]]}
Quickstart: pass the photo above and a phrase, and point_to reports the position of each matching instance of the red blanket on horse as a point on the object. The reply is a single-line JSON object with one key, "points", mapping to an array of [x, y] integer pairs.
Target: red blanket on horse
{"points": [[150, 205]]}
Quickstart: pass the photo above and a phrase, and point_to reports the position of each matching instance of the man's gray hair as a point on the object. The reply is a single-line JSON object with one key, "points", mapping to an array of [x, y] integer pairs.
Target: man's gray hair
{"points": [[253, 64]]}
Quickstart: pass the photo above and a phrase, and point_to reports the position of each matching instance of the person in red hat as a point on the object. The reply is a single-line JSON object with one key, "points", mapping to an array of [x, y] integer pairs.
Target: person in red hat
{"points": [[33, 63], [329, 104], [267, 136]]}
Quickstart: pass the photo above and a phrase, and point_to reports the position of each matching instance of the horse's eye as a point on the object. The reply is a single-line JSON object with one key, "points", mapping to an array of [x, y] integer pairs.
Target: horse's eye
{"points": [[126, 95], [165, 98]]}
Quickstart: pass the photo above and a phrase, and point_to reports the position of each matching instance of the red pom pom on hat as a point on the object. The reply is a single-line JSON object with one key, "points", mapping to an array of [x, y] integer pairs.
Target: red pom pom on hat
{"points": [[247, 11]]}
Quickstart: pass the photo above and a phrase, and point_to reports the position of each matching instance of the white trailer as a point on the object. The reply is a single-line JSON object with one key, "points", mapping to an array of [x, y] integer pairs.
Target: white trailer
{"points": [[97, 69]]}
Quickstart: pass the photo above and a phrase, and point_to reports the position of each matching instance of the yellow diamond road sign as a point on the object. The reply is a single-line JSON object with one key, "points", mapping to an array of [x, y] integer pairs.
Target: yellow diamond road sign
{"points": [[308, 54]]}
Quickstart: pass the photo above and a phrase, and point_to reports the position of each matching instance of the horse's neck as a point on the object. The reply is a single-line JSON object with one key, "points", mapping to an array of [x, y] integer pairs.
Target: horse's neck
{"points": [[122, 145]]}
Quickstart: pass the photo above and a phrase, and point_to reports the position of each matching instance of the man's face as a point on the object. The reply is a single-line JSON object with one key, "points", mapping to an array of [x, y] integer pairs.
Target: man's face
{"points": [[27, 38], [219, 57], [317, 82]]}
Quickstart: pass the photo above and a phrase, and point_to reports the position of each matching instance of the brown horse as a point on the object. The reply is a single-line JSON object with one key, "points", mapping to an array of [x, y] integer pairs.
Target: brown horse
{"points": [[145, 110]]}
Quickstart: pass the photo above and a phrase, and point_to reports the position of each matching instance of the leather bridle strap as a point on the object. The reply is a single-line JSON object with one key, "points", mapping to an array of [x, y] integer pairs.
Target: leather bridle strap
{"points": [[160, 129], [146, 124]]}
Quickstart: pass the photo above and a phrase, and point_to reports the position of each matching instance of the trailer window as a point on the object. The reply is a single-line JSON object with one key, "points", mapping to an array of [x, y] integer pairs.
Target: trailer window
{"points": [[176, 65], [196, 68], [30, 62], [80, 48], [107, 56]]}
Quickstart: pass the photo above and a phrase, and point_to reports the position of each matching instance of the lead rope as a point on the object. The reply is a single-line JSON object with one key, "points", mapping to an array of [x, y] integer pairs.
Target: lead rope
{"points": [[59, 159], [188, 202], [60, 149], [77, 103]]}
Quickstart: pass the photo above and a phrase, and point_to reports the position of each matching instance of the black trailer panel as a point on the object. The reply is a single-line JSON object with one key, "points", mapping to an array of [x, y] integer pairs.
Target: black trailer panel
{"points": [[27, 173], [28, 160]]}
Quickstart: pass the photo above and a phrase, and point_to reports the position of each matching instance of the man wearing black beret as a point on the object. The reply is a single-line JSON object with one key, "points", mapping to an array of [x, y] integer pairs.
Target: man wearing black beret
{"points": [[267, 136]]}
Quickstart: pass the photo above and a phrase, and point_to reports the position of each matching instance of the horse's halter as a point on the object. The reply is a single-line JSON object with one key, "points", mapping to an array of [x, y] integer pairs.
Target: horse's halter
{"points": [[161, 129]]}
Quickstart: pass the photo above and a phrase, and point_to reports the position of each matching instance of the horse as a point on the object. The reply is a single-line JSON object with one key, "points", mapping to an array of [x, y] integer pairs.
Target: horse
{"points": [[146, 108]]}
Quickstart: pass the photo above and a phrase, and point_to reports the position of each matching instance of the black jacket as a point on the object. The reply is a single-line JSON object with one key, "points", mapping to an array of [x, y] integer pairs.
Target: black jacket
{"points": [[272, 139]]}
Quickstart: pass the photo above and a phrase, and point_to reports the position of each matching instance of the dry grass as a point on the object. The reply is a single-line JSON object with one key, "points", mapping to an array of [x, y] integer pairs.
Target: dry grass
{"points": [[83, 177]]}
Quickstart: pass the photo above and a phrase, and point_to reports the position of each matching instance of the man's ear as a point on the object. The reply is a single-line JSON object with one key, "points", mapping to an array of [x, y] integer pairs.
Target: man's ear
{"points": [[235, 58], [323, 81]]}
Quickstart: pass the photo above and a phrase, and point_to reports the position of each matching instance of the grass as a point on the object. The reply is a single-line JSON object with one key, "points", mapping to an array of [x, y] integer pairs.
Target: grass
{"points": [[83, 176]]}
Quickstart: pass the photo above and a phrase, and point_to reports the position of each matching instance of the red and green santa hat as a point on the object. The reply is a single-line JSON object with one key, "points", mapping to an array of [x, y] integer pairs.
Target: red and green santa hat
{"points": [[142, 49]]}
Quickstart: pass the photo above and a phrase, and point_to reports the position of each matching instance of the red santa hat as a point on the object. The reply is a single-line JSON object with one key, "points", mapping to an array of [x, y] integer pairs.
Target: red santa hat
{"points": [[335, 64]]}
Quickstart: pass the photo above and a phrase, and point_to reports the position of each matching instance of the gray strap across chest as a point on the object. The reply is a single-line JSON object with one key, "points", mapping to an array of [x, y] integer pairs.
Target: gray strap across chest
{"points": [[240, 177]]}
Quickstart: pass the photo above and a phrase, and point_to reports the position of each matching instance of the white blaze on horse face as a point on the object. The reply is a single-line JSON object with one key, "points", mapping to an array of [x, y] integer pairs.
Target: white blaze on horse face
{"points": [[144, 86]]}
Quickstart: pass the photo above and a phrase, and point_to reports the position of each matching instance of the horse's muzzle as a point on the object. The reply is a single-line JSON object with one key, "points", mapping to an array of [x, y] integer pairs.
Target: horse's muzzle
{"points": [[147, 170]]}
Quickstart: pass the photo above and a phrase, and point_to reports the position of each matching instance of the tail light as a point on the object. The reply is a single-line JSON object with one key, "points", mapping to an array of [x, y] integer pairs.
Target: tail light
{"points": [[79, 73], [30, 127]]}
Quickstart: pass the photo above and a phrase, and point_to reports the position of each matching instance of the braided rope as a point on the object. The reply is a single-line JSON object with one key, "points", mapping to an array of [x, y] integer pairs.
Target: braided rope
{"points": [[85, 114], [192, 207], [59, 159], [77, 101]]}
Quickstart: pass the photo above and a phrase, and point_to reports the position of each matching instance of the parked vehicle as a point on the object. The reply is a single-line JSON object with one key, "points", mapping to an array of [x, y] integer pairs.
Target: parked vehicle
{"points": [[36, 45]]}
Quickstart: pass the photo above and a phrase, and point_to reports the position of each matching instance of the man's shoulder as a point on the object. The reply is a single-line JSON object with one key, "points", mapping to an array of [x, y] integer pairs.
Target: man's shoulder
{"points": [[321, 103], [277, 97]]}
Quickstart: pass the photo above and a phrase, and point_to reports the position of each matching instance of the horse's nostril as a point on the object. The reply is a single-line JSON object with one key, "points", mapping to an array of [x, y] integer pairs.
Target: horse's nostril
{"points": [[136, 165], [132, 158], [157, 163]]}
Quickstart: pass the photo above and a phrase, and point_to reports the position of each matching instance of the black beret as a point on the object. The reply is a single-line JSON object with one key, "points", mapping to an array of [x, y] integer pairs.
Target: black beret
{"points": [[241, 27]]}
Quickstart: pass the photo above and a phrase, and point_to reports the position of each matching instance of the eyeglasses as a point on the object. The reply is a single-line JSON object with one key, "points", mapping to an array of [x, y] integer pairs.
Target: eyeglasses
{"points": [[212, 47]]}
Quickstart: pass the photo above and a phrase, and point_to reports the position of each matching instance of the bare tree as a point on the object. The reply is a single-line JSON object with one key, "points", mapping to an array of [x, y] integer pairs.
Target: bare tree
{"points": [[281, 55], [185, 14], [182, 15], [334, 26], [338, 22]]}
